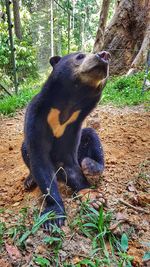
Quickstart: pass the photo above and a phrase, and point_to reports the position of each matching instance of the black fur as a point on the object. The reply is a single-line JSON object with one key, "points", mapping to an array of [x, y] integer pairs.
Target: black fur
{"points": [[90, 152], [42, 152]]}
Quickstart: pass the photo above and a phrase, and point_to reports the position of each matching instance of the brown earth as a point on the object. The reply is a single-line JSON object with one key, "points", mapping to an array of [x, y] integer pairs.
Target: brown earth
{"points": [[125, 134]]}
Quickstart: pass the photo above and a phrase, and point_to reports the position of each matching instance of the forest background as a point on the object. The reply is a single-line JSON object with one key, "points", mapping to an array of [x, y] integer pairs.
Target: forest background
{"points": [[41, 29]]}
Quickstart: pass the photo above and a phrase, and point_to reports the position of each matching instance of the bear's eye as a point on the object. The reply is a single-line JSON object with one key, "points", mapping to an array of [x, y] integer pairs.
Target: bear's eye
{"points": [[80, 56]]}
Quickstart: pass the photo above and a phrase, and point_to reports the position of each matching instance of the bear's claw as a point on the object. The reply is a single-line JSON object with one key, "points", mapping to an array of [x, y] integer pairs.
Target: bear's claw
{"points": [[57, 219], [94, 196], [29, 183]]}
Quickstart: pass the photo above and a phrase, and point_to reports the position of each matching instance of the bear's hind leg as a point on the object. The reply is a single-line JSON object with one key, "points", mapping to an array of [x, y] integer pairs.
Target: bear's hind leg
{"points": [[91, 160], [75, 177], [90, 153], [29, 182]]}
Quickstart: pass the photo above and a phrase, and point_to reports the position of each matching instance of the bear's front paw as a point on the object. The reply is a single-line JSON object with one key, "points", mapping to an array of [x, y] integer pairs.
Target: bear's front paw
{"points": [[56, 218], [93, 196]]}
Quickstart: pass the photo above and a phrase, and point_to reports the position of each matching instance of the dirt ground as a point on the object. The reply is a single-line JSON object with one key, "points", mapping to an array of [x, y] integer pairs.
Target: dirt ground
{"points": [[125, 135]]}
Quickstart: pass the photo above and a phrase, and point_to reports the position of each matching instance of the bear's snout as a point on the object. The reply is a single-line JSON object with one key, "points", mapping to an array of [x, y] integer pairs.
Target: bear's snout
{"points": [[103, 56]]}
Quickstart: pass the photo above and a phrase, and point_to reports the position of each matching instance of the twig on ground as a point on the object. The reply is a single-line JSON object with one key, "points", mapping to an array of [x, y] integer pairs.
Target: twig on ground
{"points": [[133, 207]]}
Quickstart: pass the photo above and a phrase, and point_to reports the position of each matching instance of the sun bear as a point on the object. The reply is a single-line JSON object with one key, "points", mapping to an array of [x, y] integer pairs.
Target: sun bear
{"points": [[53, 134]]}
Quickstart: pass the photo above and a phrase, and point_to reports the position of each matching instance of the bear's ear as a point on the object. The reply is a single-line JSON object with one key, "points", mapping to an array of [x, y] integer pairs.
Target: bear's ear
{"points": [[54, 60]]}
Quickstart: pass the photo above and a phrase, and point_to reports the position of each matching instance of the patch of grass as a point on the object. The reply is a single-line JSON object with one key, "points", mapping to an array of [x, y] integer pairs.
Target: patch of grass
{"points": [[9, 104], [106, 249], [122, 91], [37, 224], [119, 91], [20, 225]]}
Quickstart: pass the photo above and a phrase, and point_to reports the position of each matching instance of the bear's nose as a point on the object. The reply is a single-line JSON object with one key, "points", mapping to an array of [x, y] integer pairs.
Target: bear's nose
{"points": [[104, 55]]}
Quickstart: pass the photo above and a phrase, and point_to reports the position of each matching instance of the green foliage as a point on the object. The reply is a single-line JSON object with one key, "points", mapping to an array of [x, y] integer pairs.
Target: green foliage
{"points": [[9, 104], [124, 90], [119, 91], [25, 51]]}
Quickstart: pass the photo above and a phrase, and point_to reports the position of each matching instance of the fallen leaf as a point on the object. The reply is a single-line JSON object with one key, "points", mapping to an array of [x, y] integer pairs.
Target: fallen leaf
{"points": [[75, 260], [4, 263], [131, 187], [16, 204], [121, 216], [13, 252]]}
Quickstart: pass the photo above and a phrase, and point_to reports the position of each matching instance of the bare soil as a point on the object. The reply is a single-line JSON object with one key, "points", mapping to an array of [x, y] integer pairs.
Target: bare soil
{"points": [[125, 135]]}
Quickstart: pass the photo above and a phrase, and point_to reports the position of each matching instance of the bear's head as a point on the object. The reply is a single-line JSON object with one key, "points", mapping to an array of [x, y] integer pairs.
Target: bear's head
{"points": [[86, 69]]}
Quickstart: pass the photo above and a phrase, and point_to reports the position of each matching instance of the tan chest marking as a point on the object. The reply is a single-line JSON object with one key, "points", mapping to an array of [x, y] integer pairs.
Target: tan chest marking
{"points": [[54, 122]]}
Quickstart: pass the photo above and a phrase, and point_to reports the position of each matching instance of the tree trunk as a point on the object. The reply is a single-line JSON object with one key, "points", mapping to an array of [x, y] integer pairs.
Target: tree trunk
{"points": [[17, 22], [101, 27], [52, 29], [68, 31], [58, 31], [83, 34], [127, 35]]}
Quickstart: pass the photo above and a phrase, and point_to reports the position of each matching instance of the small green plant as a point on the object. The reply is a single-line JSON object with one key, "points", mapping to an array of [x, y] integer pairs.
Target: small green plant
{"points": [[87, 262], [143, 173], [146, 256], [19, 227], [124, 258], [2, 231], [39, 221], [54, 242], [95, 225], [107, 250], [42, 262]]}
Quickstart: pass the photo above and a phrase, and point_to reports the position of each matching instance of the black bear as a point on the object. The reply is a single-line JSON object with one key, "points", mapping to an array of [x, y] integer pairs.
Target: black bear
{"points": [[52, 134]]}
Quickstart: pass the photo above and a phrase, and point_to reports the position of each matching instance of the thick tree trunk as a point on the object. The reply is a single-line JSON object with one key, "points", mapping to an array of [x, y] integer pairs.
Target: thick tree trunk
{"points": [[145, 47], [101, 27], [128, 34], [17, 22]]}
